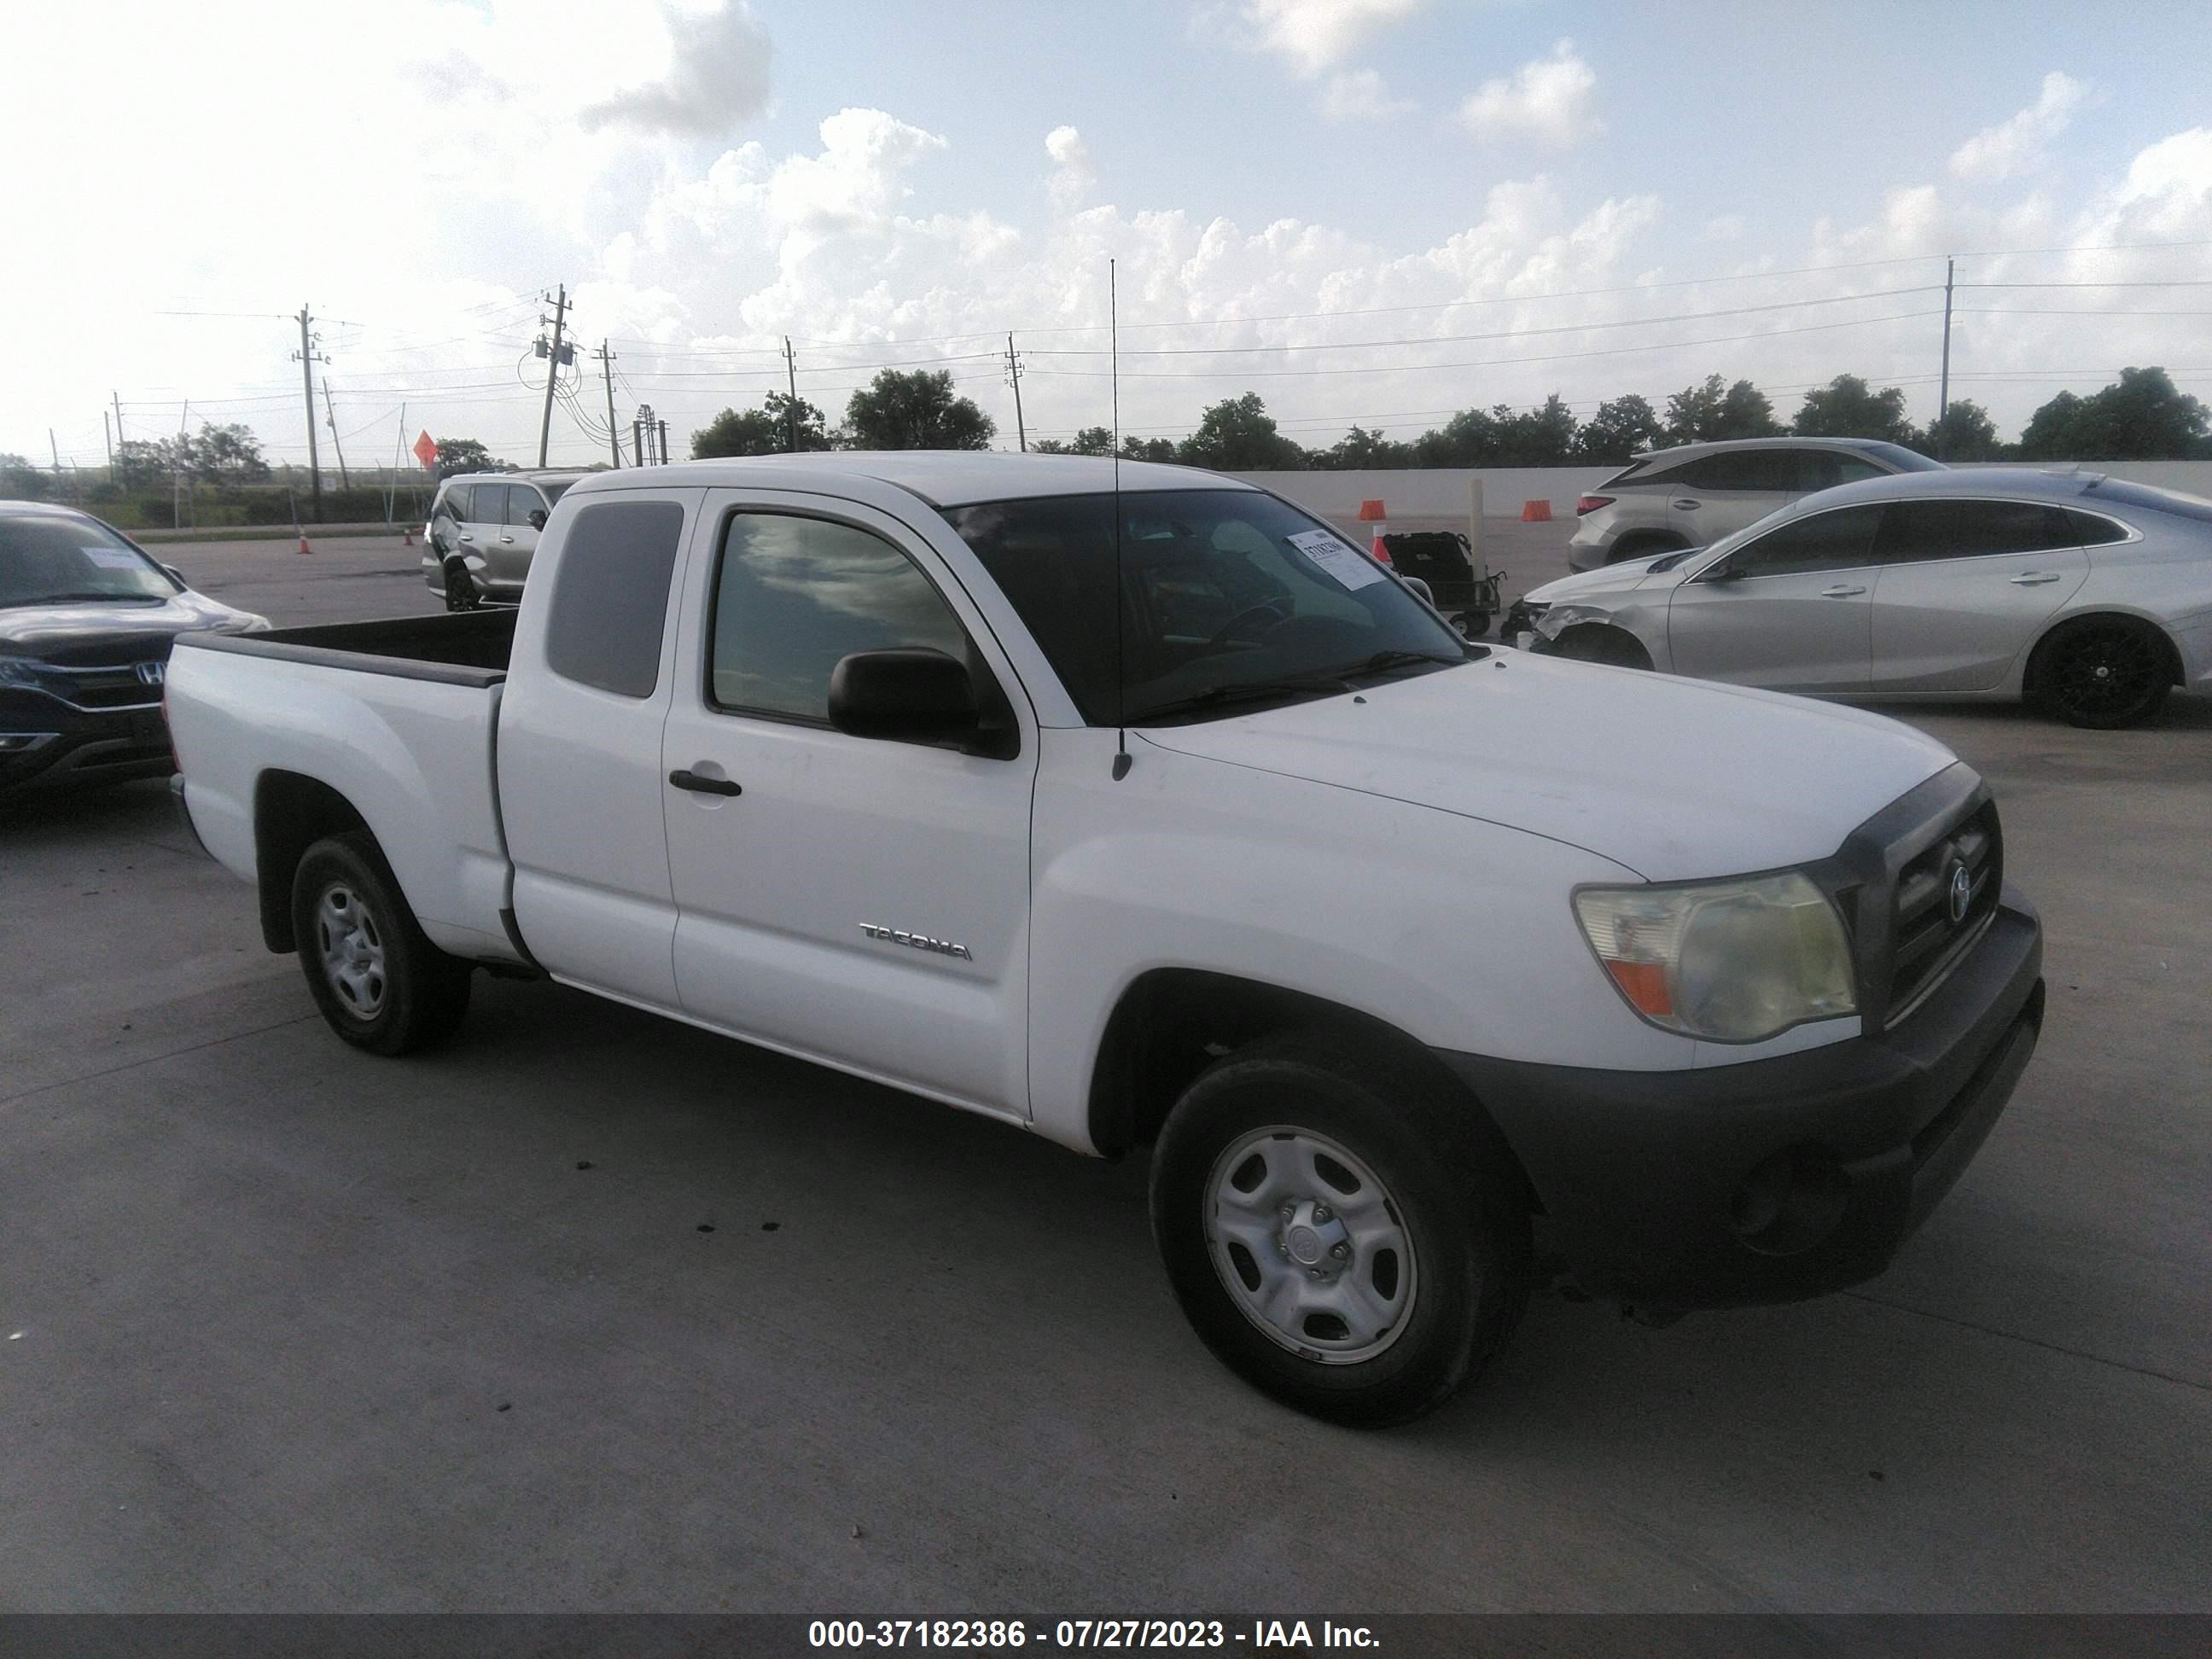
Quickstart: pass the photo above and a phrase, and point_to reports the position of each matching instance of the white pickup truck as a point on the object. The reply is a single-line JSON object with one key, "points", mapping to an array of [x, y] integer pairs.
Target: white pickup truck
{"points": [[1148, 810]]}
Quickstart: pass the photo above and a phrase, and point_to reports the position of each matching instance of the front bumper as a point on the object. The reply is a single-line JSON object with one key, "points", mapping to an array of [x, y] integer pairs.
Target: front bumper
{"points": [[1772, 1179], [63, 746]]}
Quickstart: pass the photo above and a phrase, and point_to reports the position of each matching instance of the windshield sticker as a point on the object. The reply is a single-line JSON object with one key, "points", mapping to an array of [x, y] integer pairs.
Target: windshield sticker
{"points": [[113, 558], [1353, 569]]}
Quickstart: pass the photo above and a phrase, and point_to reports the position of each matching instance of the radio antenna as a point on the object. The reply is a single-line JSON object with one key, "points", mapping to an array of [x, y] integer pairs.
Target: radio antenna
{"points": [[1122, 759]]}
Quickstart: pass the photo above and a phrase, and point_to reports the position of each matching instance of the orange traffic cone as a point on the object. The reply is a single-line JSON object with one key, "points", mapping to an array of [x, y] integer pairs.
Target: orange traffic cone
{"points": [[1374, 513], [304, 548], [1379, 553], [407, 536], [1536, 512]]}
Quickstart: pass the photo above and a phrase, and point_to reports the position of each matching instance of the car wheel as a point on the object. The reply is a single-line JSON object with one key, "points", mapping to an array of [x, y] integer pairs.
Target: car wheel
{"points": [[1471, 624], [1615, 647], [1332, 1237], [2102, 672], [379, 981], [460, 588]]}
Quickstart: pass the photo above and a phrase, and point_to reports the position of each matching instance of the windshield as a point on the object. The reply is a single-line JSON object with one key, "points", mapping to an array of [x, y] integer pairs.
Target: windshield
{"points": [[58, 558], [1227, 597]]}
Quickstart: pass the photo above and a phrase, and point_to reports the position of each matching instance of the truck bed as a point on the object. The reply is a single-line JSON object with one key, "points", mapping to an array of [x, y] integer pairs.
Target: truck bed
{"points": [[469, 647], [399, 720]]}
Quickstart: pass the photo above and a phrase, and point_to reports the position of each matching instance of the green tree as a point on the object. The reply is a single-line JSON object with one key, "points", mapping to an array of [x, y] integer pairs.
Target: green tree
{"points": [[1360, 448], [916, 409], [1967, 434], [1699, 414], [226, 455], [23, 482], [762, 431], [1623, 427], [1091, 441], [2142, 416], [1237, 435], [1536, 437], [467, 455], [1148, 449], [1848, 408], [142, 462], [1470, 438]]}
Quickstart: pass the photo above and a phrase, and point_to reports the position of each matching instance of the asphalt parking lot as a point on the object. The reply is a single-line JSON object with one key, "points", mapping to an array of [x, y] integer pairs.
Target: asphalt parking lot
{"points": [[590, 1310]]}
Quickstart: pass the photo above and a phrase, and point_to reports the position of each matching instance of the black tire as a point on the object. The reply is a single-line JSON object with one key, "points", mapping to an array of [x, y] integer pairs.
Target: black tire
{"points": [[1614, 646], [1471, 624], [1456, 1206], [396, 991], [460, 588], [2101, 672]]}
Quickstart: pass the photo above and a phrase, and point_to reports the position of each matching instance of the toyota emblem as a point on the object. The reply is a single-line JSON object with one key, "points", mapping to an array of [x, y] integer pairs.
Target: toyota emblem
{"points": [[1962, 893]]}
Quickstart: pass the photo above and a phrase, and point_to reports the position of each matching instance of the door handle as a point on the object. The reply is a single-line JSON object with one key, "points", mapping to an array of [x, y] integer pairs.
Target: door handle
{"points": [[1841, 591], [2034, 578], [509, 540], [466, 537], [699, 786], [1685, 504]]}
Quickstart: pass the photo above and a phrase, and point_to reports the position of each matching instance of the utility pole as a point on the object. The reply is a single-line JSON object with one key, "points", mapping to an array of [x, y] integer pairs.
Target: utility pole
{"points": [[1014, 379], [117, 397], [552, 367], [791, 409], [607, 373], [663, 443], [344, 481], [108, 438], [308, 359], [1943, 392], [57, 449]]}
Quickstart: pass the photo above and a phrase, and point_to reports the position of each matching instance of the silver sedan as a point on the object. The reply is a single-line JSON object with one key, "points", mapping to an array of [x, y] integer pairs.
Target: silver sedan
{"points": [[2089, 596]]}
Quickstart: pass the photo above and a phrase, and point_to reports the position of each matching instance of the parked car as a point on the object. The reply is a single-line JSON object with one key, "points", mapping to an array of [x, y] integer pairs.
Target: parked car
{"points": [[483, 531], [1693, 495], [1157, 813], [86, 622], [2089, 596]]}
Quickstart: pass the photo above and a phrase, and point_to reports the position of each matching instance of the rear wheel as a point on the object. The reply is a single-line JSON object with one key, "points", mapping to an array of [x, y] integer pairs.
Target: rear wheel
{"points": [[379, 982], [1332, 1237], [460, 588], [2101, 672]]}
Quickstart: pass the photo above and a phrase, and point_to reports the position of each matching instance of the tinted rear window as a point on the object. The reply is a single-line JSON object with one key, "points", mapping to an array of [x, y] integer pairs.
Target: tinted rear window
{"points": [[611, 596], [1899, 457], [1916, 531]]}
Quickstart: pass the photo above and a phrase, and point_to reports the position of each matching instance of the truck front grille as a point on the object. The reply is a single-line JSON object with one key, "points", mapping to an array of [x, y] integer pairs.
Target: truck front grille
{"points": [[1943, 897]]}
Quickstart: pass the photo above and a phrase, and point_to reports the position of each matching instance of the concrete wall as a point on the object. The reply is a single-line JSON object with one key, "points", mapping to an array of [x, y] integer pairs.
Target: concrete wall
{"points": [[1441, 492]]}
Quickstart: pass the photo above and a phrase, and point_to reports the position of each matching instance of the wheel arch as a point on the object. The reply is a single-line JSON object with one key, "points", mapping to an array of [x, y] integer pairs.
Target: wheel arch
{"points": [[1642, 544], [1170, 1023], [2176, 668], [1626, 646], [291, 812]]}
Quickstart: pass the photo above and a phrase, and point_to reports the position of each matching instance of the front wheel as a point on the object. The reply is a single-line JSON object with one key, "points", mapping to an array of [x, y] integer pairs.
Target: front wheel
{"points": [[1333, 1236], [379, 982]]}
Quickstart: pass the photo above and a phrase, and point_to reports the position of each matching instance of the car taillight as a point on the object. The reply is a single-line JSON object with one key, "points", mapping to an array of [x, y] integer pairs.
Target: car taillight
{"points": [[1590, 503]]}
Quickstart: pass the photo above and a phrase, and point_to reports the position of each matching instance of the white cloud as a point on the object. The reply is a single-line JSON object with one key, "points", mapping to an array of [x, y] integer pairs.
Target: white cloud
{"points": [[1723, 228], [717, 76], [1361, 95], [1316, 35], [1073, 175], [2016, 145], [1548, 99]]}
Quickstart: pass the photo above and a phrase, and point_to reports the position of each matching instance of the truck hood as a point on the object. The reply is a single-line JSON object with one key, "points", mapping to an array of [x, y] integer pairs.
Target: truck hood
{"points": [[1675, 779]]}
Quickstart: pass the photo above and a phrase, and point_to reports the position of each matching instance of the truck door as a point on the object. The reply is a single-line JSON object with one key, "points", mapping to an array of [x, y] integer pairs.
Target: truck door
{"points": [[857, 900], [580, 774]]}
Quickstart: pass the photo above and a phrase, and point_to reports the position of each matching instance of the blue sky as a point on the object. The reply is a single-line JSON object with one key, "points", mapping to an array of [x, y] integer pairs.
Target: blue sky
{"points": [[893, 184]]}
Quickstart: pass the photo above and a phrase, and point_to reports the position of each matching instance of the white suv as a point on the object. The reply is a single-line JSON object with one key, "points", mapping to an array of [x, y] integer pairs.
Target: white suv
{"points": [[1694, 494], [483, 531]]}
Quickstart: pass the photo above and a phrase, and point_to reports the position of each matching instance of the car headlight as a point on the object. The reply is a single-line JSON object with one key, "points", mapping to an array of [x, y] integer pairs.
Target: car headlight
{"points": [[18, 670], [1732, 961]]}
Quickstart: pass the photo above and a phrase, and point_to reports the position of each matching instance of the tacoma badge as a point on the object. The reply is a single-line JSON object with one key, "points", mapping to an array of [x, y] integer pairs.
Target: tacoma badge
{"points": [[919, 941]]}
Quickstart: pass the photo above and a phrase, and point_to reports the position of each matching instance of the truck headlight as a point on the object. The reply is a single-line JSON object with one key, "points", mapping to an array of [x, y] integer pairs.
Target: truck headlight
{"points": [[1732, 961]]}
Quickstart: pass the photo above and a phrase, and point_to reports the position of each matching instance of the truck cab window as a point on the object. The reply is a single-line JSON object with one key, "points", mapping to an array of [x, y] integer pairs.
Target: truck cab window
{"points": [[611, 596], [792, 595]]}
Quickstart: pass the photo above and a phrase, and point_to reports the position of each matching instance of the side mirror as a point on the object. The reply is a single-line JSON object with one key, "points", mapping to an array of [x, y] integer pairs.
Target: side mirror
{"points": [[1725, 571], [176, 575], [1427, 594], [537, 516], [909, 693]]}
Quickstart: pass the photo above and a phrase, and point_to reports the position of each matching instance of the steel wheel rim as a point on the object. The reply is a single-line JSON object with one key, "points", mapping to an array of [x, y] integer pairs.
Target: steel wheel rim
{"points": [[352, 949], [2103, 671], [1309, 1245]]}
